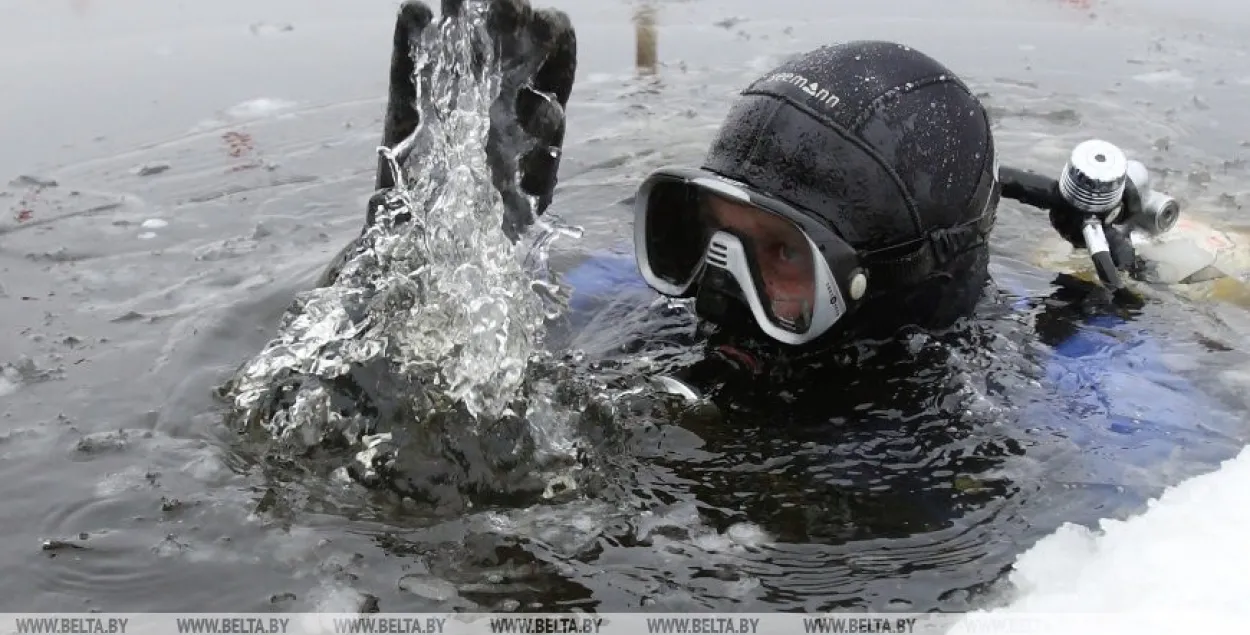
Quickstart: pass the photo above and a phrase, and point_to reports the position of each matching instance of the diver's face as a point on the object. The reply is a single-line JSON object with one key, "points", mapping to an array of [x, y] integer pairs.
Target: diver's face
{"points": [[782, 253]]}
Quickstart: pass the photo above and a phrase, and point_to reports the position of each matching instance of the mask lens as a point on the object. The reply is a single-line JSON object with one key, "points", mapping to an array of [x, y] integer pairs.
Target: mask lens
{"points": [[676, 236], [779, 260], [696, 235]]}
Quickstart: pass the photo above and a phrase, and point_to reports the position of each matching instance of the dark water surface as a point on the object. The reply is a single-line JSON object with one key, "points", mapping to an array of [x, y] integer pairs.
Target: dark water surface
{"points": [[193, 165]]}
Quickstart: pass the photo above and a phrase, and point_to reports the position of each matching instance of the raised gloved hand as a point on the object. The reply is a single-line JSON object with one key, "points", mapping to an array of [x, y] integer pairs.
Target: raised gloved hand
{"points": [[537, 54], [536, 51]]}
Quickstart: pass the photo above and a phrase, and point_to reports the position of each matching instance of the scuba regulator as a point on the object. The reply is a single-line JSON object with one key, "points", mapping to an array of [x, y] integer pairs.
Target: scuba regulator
{"points": [[1099, 199]]}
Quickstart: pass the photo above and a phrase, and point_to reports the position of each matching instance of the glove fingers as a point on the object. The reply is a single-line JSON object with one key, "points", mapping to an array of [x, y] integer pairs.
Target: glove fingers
{"points": [[553, 30], [537, 54], [509, 17], [539, 168], [401, 114], [540, 107], [451, 7], [540, 116]]}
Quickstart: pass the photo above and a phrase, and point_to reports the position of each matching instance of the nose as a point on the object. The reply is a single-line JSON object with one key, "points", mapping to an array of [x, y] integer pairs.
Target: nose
{"points": [[788, 296]]}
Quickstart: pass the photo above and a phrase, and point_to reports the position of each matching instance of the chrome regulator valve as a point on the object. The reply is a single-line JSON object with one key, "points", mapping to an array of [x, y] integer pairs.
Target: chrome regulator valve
{"points": [[1099, 198], [1093, 183], [1093, 179]]}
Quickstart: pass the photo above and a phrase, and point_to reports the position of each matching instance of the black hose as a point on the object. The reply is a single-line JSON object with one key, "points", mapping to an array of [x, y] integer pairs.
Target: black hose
{"points": [[1031, 188]]}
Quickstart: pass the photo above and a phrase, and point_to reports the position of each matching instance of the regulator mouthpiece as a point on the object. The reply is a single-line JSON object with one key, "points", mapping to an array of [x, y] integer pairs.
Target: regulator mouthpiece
{"points": [[1093, 179]]}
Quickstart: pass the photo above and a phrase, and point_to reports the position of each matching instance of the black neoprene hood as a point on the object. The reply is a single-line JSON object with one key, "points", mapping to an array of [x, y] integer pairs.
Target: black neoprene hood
{"points": [[876, 138]]}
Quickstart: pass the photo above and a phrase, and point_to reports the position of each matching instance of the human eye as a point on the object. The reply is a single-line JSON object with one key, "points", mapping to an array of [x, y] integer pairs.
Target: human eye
{"points": [[788, 253]]}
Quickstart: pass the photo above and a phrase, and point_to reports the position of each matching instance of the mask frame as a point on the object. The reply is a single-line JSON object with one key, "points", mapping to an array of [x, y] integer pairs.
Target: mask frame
{"points": [[840, 280]]}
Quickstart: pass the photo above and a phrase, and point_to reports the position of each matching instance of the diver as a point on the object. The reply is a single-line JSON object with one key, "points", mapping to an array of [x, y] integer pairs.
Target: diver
{"points": [[833, 248], [845, 206], [849, 193], [848, 199]]}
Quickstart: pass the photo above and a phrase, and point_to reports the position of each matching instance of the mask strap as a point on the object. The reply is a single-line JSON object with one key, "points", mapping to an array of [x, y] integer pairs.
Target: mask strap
{"points": [[939, 246], [900, 270], [926, 255]]}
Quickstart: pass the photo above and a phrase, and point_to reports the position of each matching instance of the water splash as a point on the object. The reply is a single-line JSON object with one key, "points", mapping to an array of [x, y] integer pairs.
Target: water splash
{"points": [[417, 354]]}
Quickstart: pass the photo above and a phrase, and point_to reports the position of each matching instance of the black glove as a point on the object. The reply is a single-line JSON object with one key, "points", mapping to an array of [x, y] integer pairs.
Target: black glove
{"points": [[537, 56], [1069, 225]]}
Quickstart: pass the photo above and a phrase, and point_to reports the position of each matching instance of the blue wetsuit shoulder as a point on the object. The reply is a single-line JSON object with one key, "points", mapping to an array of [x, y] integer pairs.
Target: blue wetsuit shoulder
{"points": [[601, 280], [602, 275], [1109, 390]]}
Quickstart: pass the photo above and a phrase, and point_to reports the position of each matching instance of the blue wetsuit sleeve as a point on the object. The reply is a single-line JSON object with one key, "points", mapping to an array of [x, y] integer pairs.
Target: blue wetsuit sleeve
{"points": [[1112, 393], [600, 276], [600, 281]]}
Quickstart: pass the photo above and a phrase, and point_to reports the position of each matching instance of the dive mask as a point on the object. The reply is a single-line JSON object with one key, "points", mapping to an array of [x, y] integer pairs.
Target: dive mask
{"points": [[737, 250], [700, 235]]}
